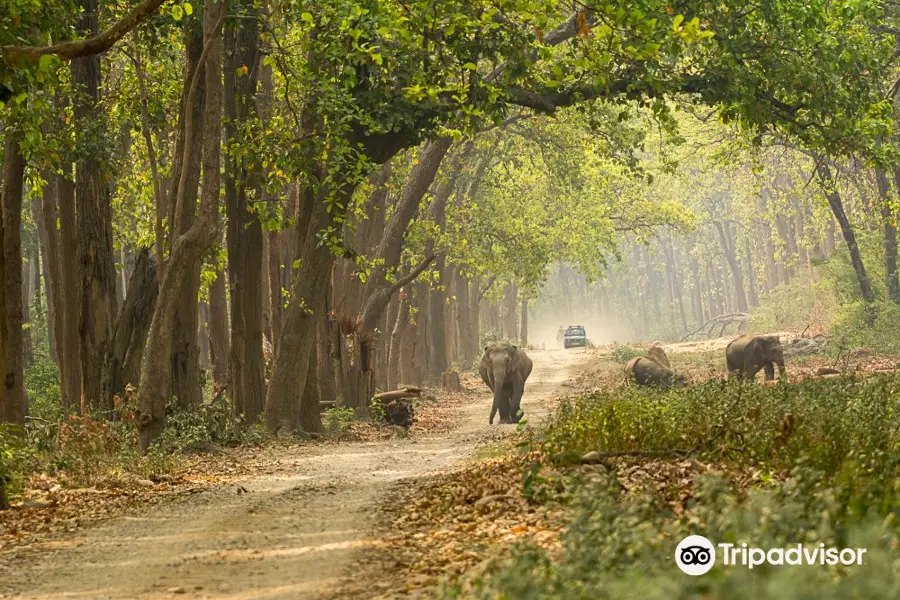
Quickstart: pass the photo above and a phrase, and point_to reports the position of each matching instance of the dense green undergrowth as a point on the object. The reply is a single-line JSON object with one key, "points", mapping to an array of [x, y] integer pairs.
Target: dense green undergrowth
{"points": [[828, 450]]}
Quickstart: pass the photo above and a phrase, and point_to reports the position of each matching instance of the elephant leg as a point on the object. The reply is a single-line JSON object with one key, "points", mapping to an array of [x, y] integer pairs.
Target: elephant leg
{"points": [[516, 401], [750, 368], [503, 407], [770, 371], [500, 404]]}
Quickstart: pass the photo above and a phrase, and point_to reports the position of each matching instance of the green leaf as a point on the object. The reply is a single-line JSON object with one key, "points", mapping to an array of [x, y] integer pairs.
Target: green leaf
{"points": [[307, 17], [177, 12], [188, 9], [47, 62], [676, 22]]}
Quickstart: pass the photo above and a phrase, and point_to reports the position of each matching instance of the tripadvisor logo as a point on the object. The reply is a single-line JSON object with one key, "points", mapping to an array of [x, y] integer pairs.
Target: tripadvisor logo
{"points": [[696, 555]]}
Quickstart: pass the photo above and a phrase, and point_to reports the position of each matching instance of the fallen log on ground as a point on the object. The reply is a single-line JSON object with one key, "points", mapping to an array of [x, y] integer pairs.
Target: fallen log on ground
{"points": [[410, 392], [723, 321]]}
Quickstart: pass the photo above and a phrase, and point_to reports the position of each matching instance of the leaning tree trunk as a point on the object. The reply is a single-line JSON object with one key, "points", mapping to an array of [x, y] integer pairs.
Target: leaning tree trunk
{"points": [[123, 365], [94, 217], [186, 386], [245, 237], [13, 402], [187, 249], [379, 291], [837, 207]]}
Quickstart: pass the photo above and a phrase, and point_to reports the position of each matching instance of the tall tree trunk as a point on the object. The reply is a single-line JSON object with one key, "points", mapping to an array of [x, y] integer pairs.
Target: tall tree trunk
{"points": [[509, 322], [29, 260], [751, 275], [696, 294], [310, 417], [245, 237], [13, 401], [275, 299], [829, 228], [70, 304], [325, 373], [464, 336], [890, 233], [437, 298], [132, 326], [451, 316], [400, 324], [187, 249], [523, 335], [727, 241], [218, 330], [407, 347], [46, 216], [94, 214], [837, 207], [186, 384], [309, 290], [679, 282], [203, 336], [420, 348], [789, 246]]}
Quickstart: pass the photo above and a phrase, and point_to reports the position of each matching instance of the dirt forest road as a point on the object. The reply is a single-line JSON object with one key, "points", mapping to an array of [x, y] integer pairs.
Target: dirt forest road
{"points": [[293, 536]]}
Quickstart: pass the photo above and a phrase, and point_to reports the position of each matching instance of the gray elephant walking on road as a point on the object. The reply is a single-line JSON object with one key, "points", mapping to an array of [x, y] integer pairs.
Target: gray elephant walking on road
{"points": [[504, 368]]}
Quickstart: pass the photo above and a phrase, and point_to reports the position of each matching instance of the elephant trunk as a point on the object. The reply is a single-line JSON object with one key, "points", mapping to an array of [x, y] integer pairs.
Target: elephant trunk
{"points": [[501, 399]]}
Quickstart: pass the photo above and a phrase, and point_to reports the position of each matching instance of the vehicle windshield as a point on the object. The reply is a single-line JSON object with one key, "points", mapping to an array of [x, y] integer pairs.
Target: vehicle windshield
{"points": [[573, 331]]}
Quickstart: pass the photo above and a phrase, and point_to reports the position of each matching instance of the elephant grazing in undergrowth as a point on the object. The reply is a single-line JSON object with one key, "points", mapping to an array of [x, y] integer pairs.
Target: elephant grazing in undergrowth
{"points": [[644, 370], [504, 368], [747, 354]]}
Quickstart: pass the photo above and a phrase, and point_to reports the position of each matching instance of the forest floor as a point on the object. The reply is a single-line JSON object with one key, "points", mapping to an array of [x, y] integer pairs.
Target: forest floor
{"points": [[292, 522]]}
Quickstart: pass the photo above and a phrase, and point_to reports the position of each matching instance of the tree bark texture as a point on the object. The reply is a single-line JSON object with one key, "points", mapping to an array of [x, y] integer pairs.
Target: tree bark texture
{"points": [[13, 401], [837, 208], [94, 218], [188, 249], [186, 384], [132, 326], [244, 233]]}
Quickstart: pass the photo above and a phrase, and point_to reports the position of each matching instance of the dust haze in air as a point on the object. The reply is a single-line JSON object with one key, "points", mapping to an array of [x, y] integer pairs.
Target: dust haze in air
{"points": [[544, 324]]}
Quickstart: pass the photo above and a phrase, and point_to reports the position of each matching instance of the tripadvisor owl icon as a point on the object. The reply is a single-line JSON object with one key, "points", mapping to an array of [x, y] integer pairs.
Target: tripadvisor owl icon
{"points": [[695, 555]]}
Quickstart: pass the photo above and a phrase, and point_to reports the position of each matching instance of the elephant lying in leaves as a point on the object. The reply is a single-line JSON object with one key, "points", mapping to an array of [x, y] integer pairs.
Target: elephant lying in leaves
{"points": [[644, 370], [504, 368]]}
